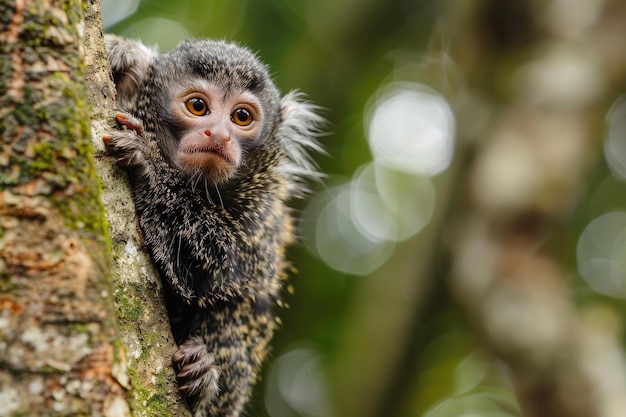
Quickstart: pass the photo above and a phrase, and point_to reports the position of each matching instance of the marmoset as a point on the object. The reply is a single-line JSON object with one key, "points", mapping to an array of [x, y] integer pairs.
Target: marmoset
{"points": [[213, 152]]}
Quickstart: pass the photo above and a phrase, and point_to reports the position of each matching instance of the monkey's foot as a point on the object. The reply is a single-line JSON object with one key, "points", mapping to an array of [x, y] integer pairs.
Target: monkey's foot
{"points": [[196, 373]]}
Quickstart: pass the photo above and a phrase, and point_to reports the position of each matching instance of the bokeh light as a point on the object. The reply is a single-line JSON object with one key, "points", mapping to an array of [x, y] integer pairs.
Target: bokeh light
{"points": [[476, 391], [411, 128], [296, 385], [396, 205], [601, 254], [392, 198], [469, 373], [114, 11], [471, 405], [354, 227], [337, 238], [165, 33]]}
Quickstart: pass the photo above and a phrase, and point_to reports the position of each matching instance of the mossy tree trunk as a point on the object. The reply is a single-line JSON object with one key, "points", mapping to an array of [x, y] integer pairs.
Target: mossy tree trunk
{"points": [[61, 350]]}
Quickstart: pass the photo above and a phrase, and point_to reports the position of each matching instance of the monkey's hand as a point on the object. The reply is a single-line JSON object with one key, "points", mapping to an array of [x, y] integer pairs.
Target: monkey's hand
{"points": [[196, 373], [129, 144]]}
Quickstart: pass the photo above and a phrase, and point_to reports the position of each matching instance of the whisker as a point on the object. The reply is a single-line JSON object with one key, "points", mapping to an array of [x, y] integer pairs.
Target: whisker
{"points": [[178, 252], [206, 190], [218, 194], [193, 181]]}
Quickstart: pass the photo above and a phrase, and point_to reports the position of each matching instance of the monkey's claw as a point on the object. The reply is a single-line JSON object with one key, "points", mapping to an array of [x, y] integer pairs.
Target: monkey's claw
{"points": [[196, 372]]}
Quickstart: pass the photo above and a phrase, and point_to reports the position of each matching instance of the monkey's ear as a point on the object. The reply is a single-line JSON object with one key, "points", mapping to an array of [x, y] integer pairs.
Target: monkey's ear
{"points": [[129, 62]]}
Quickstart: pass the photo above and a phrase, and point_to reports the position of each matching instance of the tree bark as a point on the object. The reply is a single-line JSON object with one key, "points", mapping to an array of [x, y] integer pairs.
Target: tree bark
{"points": [[140, 308], [59, 349]]}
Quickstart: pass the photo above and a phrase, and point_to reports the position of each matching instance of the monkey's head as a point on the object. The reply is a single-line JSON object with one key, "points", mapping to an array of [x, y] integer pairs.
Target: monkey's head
{"points": [[211, 104]]}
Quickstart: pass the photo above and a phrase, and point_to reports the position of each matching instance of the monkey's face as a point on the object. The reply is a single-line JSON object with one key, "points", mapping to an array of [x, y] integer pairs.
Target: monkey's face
{"points": [[218, 127]]}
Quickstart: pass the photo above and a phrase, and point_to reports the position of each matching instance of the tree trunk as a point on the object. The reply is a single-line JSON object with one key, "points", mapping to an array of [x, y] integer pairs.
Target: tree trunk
{"points": [[61, 352], [140, 307], [59, 348]]}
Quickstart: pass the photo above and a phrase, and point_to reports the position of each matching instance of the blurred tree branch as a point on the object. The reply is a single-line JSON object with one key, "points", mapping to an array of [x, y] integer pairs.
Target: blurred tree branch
{"points": [[545, 84]]}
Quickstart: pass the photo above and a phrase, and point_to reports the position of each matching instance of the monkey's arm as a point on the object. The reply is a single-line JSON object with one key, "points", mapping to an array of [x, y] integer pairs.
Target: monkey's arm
{"points": [[170, 215]]}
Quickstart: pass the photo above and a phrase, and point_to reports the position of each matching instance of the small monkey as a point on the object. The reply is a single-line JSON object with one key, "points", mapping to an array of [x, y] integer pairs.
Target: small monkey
{"points": [[213, 152]]}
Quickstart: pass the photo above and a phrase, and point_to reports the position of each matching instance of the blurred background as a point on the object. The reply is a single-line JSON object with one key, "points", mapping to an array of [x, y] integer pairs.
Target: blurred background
{"points": [[466, 254]]}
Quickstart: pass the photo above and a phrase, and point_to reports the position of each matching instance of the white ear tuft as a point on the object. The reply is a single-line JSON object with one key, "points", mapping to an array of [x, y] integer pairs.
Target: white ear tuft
{"points": [[298, 132]]}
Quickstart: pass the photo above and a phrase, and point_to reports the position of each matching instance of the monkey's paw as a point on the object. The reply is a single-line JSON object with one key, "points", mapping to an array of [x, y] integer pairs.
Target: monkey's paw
{"points": [[127, 145], [196, 373]]}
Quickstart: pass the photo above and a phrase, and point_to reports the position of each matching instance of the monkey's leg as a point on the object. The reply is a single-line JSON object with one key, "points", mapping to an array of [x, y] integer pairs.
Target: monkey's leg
{"points": [[237, 335]]}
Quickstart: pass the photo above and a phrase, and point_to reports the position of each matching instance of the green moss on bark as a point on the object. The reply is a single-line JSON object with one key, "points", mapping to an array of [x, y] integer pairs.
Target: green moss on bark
{"points": [[46, 133], [150, 400]]}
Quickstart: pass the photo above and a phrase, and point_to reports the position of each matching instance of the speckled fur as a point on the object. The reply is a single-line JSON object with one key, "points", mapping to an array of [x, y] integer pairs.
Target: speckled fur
{"points": [[220, 248]]}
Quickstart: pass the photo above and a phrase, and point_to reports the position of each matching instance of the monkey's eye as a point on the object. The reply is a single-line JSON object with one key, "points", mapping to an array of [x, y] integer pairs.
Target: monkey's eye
{"points": [[197, 106], [241, 117]]}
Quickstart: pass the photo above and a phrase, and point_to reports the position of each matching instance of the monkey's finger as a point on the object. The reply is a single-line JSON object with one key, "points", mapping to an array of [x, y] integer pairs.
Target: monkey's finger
{"points": [[196, 369], [204, 384], [130, 122]]}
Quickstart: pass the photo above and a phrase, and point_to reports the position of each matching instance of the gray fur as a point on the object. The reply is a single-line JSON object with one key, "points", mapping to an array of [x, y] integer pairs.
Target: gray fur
{"points": [[219, 246]]}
